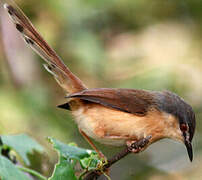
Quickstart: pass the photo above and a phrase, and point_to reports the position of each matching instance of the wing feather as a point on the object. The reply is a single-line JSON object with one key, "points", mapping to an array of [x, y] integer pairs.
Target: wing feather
{"points": [[127, 100]]}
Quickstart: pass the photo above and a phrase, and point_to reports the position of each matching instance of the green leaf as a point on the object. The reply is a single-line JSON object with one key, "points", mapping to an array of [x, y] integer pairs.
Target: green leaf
{"points": [[69, 151], [22, 144], [69, 155], [90, 163], [63, 170], [8, 171]]}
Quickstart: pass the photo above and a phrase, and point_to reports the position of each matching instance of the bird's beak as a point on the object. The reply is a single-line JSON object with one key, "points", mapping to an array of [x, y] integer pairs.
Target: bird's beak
{"points": [[189, 149], [64, 106]]}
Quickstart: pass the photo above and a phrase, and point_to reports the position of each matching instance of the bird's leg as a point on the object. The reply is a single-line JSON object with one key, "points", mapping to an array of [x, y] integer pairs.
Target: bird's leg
{"points": [[101, 155], [137, 146]]}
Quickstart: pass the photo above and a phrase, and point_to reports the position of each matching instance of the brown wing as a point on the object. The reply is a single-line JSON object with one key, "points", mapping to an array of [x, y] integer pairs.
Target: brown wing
{"points": [[128, 100]]}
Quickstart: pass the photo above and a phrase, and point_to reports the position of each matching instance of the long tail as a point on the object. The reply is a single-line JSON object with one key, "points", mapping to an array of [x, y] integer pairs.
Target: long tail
{"points": [[66, 79]]}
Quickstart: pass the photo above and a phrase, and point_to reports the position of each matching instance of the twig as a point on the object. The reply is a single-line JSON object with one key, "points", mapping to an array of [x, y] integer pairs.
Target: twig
{"points": [[95, 174], [117, 157]]}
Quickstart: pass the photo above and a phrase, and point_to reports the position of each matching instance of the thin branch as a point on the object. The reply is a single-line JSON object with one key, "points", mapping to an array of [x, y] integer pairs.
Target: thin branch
{"points": [[117, 157], [135, 147]]}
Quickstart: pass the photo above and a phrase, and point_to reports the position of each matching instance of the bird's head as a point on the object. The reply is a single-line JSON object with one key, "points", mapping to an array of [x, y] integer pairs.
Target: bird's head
{"points": [[184, 114], [187, 126]]}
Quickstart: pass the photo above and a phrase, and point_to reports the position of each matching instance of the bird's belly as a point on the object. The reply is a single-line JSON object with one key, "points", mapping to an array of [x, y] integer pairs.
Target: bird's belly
{"points": [[109, 126]]}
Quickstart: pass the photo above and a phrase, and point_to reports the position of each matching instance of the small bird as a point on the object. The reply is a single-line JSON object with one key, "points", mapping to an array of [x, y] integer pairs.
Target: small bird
{"points": [[117, 117]]}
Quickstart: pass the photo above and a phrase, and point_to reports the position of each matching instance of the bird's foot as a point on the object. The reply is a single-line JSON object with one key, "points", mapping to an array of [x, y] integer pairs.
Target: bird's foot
{"points": [[137, 146]]}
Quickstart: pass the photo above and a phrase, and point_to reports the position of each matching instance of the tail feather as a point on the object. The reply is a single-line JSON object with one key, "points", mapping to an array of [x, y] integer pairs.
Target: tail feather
{"points": [[66, 79], [61, 78]]}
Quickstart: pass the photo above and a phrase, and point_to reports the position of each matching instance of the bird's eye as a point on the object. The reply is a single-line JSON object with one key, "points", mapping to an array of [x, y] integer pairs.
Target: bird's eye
{"points": [[183, 127]]}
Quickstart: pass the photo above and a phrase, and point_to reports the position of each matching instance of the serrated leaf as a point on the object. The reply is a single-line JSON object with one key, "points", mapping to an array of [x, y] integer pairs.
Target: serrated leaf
{"points": [[8, 171], [69, 151], [22, 144], [70, 154], [89, 163], [63, 170]]}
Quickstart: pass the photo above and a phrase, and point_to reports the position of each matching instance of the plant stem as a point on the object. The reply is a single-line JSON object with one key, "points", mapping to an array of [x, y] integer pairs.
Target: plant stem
{"points": [[94, 174], [32, 172]]}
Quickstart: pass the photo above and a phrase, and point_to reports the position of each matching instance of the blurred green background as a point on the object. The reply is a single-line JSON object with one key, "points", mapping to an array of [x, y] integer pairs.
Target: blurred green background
{"points": [[144, 44]]}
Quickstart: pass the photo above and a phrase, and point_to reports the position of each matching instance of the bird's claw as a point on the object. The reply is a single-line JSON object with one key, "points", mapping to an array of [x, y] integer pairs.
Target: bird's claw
{"points": [[137, 146]]}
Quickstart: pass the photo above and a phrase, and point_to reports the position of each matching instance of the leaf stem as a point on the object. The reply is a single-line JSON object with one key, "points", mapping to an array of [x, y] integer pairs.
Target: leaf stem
{"points": [[32, 172]]}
